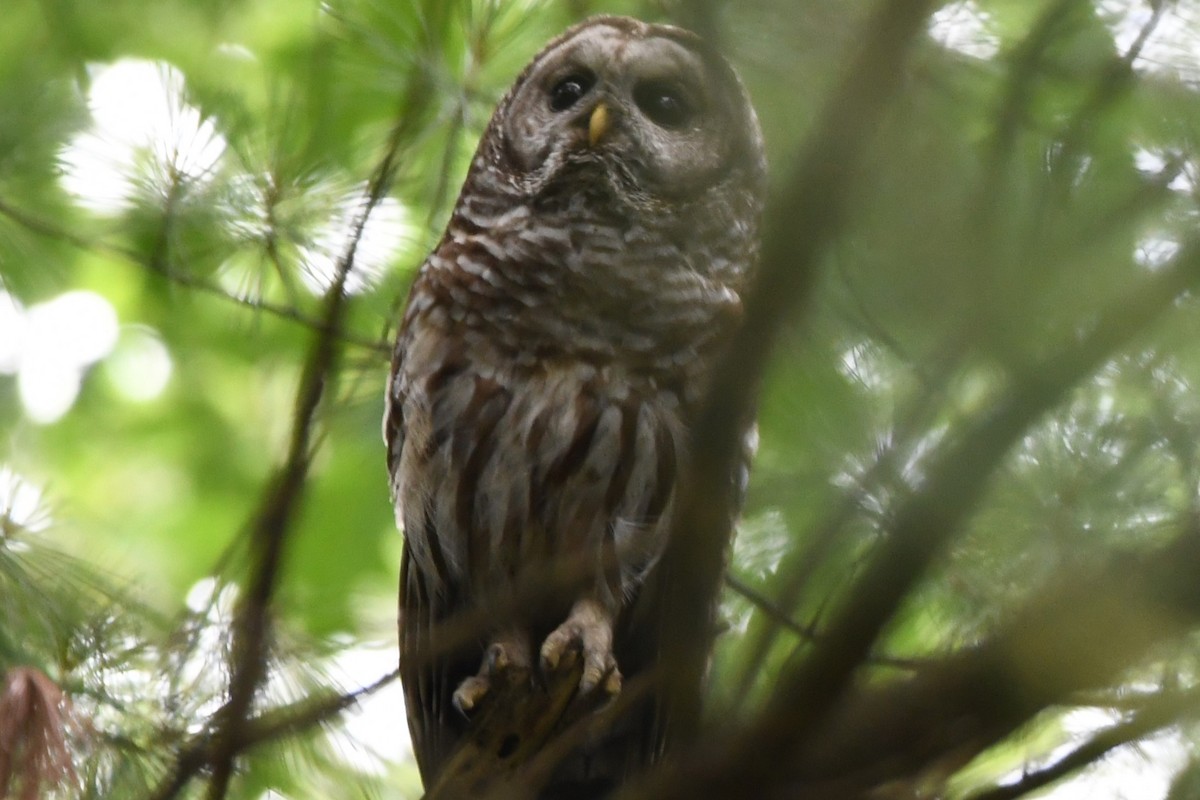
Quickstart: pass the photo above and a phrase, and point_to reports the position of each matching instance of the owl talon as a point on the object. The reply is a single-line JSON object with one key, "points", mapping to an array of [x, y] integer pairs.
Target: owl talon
{"points": [[503, 659], [588, 633], [470, 693], [497, 659]]}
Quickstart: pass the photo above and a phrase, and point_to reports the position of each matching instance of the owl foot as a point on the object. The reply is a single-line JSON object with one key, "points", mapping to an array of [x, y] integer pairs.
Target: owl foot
{"points": [[588, 632], [505, 658]]}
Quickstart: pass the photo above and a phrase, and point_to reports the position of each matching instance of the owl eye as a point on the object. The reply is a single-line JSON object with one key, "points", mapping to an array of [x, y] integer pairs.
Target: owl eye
{"points": [[567, 92], [663, 103]]}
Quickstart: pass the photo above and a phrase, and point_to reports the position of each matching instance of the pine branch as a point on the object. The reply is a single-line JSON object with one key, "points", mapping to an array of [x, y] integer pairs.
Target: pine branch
{"points": [[923, 525], [270, 726], [1070, 637], [271, 526], [807, 632], [193, 282], [1154, 715]]}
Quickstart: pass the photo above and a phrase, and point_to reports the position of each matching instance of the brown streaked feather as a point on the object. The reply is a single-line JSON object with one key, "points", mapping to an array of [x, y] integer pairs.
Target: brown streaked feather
{"points": [[553, 348]]}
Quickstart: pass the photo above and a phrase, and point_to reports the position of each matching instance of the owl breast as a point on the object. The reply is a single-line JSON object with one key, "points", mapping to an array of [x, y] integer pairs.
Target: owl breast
{"points": [[577, 272], [510, 469], [551, 352]]}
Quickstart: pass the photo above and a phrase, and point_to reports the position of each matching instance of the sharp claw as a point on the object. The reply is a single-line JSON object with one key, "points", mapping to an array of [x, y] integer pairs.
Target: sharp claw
{"points": [[550, 654], [601, 671], [502, 660], [612, 684], [593, 672], [586, 634], [559, 648], [498, 659], [469, 693]]}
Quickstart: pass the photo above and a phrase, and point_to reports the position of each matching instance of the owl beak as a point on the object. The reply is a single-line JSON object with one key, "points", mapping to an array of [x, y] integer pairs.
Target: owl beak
{"points": [[598, 123]]}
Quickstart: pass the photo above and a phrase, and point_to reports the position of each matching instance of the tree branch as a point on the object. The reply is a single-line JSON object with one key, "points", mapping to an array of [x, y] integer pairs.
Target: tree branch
{"points": [[926, 522], [50, 231], [806, 218], [272, 524], [1156, 714], [1043, 655], [526, 730], [270, 726], [280, 723], [807, 632]]}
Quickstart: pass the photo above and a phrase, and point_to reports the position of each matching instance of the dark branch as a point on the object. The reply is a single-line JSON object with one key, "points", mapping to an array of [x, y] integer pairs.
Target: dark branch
{"points": [[807, 632], [525, 731], [271, 726], [929, 518], [1156, 714], [806, 218], [272, 524], [1042, 657]]}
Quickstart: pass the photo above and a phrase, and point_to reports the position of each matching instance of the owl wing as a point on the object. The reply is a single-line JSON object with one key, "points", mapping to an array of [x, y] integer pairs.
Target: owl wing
{"points": [[643, 736], [428, 676]]}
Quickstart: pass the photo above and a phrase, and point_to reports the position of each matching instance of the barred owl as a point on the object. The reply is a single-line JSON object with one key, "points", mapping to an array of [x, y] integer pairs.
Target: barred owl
{"points": [[554, 347]]}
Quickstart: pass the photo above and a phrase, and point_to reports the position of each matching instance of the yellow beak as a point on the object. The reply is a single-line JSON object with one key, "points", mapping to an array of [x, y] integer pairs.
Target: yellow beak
{"points": [[598, 124]]}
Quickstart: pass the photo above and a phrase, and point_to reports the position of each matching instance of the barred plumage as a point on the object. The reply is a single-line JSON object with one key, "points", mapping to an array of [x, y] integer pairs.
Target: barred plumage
{"points": [[553, 348]]}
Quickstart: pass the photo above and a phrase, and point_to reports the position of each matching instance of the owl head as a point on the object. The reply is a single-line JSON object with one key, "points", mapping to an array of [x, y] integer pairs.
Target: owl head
{"points": [[650, 109]]}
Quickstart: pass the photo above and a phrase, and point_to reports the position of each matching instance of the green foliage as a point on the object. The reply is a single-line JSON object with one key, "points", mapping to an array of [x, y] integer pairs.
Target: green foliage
{"points": [[1032, 175]]}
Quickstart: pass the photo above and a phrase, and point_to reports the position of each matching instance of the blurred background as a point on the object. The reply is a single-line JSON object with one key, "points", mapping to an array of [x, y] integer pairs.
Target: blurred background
{"points": [[180, 179]]}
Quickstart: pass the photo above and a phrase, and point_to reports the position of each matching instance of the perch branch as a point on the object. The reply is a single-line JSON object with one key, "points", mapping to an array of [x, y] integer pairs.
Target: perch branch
{"points": [[525, 731], [529, 725]]}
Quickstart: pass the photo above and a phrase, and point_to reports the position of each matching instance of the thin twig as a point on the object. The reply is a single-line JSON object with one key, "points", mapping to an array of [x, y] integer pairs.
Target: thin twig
{"points": [[808, 632], [50, 231], [1024, 64], [1113, 83], [295, 719], [272, 524], [1156, 714], [1042, 657], [271, 726]]}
